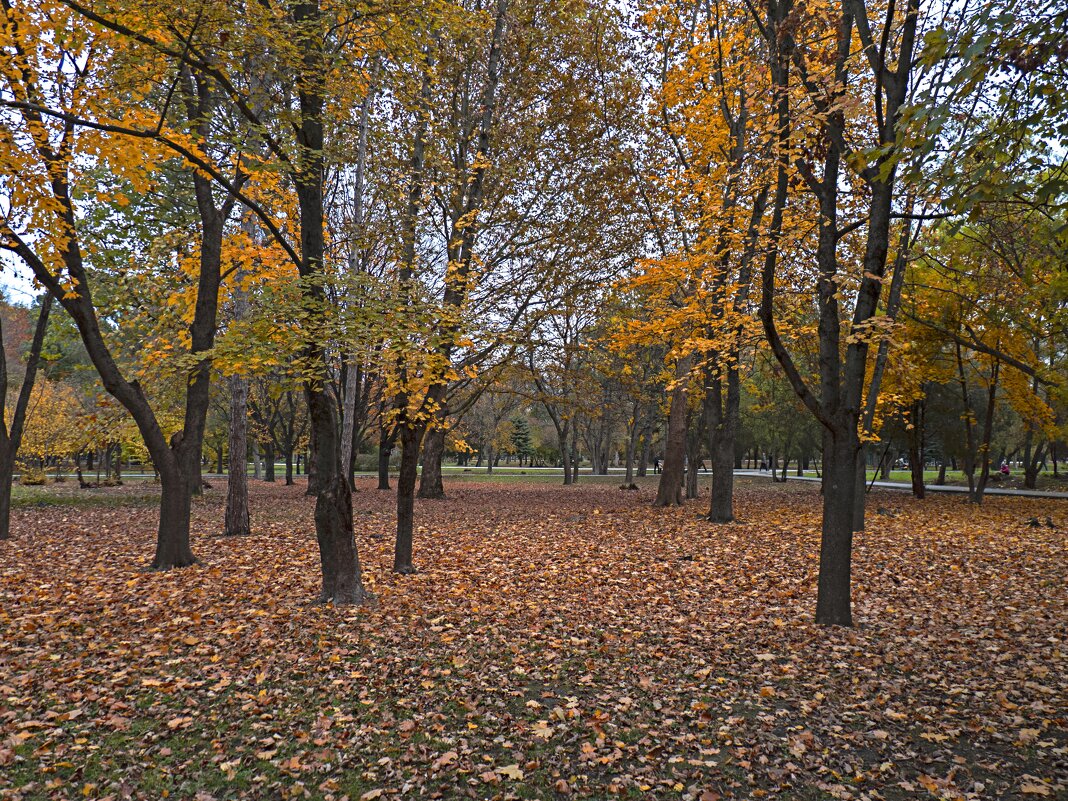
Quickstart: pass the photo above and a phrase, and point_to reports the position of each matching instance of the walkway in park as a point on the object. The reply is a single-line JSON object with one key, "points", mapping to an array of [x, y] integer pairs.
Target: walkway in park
{"points": [[900, 485]]}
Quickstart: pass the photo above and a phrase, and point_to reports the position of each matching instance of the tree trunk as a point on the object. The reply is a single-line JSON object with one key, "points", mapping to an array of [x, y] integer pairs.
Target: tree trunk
{"points": [[916, 449], [409, 468], [289, 467], [257, 464], [860, 496], [172, 541], [7, 477], [722, 425], [565, 454], [312, 463], [339, 561], [430, 484], [693, 455], [385, 445], [669, 491], [643, 460], [988, 433], [632, 447], [268, 461], [833, 605], [236, 519], [574, 454]]}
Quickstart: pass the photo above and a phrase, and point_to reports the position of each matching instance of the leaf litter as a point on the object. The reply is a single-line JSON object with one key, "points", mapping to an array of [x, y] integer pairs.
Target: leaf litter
{"points": [[542, 651]]}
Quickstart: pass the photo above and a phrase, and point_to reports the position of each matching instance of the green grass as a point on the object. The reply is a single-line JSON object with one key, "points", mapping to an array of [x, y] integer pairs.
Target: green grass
{"points": [[68, 494]]}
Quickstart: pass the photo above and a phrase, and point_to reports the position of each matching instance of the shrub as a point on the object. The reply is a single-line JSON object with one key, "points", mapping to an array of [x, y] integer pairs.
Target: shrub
{"points": [[32, 477]]}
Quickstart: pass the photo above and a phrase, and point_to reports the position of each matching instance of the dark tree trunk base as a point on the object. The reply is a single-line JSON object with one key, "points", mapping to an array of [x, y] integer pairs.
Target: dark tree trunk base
{"points": [[342, 585]]}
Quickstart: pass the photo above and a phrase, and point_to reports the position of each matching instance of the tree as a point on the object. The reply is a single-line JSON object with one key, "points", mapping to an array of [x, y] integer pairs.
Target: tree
{"points": [[813, 152], [11, 432], [58, 120]]}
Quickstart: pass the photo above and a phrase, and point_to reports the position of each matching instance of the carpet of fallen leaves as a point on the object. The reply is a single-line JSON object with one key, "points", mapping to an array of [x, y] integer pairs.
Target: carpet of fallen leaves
{"points": [[556, 643]]}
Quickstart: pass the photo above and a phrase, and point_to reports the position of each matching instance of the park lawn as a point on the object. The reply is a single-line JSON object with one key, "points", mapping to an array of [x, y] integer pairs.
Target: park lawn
{"points": [[556, 643]]}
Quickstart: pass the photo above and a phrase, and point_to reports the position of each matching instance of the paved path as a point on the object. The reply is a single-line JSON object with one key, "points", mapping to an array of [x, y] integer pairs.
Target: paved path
{"points": [[900, 485]]}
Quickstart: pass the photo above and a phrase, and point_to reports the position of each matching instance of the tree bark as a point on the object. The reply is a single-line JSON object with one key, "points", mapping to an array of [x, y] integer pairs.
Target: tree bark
{"points": [[916, 448], [268, 461], [11, 436], [722, 429], [410, 437], [7, 477], [236, 518], [430, 484], [172, 542], [385, 445], [833, 605], [669, 490]]}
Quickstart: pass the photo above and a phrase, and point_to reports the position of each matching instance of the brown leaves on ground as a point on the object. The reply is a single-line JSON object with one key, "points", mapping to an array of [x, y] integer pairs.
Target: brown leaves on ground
{"points": [[556, 643]]}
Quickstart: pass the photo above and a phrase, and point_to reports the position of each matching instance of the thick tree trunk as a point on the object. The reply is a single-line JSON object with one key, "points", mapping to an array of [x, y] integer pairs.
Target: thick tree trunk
{"points": [[236, 519], [7, 477], [172, 540], [257, 463], [410, 437], [430, 484], [289, 467], [722, 429], [833, 605], [669, 491], [339, 561]]}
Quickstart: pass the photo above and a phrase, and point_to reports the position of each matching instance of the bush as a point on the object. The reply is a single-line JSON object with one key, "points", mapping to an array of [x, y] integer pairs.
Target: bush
{"points": [[32, 477]]}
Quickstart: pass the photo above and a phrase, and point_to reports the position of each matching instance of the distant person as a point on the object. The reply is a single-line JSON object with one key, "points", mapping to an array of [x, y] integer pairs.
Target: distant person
{"points": [[1005, 469], [763, 466], [656, 465]]}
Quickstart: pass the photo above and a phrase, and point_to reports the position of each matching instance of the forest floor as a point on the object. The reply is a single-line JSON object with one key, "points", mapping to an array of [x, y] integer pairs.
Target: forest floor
{"points": [[556, 643]]}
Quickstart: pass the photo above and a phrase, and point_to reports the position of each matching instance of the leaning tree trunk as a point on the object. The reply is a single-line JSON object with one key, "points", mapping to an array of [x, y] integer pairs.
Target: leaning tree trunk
{"points": [[236, 519], [669, 491], [410, 437], [430, 484]]}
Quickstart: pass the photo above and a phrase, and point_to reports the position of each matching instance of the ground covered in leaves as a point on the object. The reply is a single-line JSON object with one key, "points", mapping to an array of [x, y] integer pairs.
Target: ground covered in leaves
{"points": [[556, 643]]}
